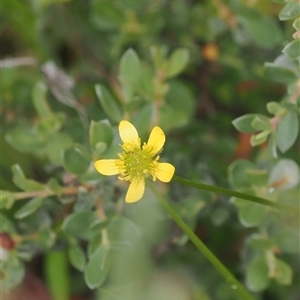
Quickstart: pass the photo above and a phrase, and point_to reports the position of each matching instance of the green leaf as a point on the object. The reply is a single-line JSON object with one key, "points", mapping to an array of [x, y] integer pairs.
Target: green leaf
{"points": [[54, 186], [7, 199], [49, 126], [56, 146], [292, 49], [252, 214], [257, 177], [177, 62], [243, 123], [272, 145], [24, 139], [100, 148], [259, 242], [130, 73], [78, 223], [237, 173], [94, 244], [287, 131], [39, 100], [32, 185], [259, 138], [74, 161], [284, 272], [77, 257], [83, 151], [158, 55], [57, 274], [274, 107], [219, 215], [284, 175], [105, 15], [279, 73], [115, 234], [264, 31], [98, 225], [257, 275], [142, 118], [97, 268], [261, 123], [19, 178], [290, 11], [108, 103], [296, 24], [100, 132], [12, 274], [25, 184], [7, 225], [30, 207], [288, 239], [147, 84], [46, 239], [179, 107]]}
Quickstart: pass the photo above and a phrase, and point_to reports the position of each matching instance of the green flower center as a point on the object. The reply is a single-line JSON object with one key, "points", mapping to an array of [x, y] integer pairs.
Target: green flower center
{"points": [[136, 164]]}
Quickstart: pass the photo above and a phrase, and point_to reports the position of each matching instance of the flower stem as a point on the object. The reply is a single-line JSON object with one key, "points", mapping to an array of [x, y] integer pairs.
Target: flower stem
{"points": [[252, 198], [232, 281]]}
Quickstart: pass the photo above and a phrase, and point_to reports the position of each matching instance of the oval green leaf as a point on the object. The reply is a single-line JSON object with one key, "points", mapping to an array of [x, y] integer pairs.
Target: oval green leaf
{"points": [[243, 123], [292, 49], [130, 73], [100, 132], [290, 11], [7, 199], [287, 131], [39, 100], [237, 173], [30, 207], [19, 178], [97, 268], [252, 214], [78, 223], [279, 73], [177, 62], [74, 161], [108, 103], [56, 145], [257, 275], [77, 257], [284, 272]]}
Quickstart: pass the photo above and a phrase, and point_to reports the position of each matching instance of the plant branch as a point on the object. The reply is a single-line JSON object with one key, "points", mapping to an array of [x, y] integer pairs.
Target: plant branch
{"points": [[69, 190], [252, 198]]}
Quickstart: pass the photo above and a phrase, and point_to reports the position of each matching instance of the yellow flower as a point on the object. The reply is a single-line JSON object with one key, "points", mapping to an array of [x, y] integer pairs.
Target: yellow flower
{"points": [[136, 162]]}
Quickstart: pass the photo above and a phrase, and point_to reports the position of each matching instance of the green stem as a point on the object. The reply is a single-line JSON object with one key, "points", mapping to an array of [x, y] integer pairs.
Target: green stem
{"points": [[219, 190], [233, 282]]}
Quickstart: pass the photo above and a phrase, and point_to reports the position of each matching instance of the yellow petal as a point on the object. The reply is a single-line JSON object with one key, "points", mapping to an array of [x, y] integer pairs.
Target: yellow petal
{"points": [[135, 191], [128, 133], [156, 140], [165, 172], [107, 166]]}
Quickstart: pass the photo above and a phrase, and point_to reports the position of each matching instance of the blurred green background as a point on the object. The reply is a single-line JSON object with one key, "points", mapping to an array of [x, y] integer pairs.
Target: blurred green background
{"points": [[189, 66]]}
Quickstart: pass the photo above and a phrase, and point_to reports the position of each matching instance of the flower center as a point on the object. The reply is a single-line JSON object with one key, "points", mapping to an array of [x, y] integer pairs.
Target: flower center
{"points": [[137, 163]]}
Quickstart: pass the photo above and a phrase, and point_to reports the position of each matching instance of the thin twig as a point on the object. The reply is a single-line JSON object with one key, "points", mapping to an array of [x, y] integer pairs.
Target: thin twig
{"points": [[69, 190]]}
